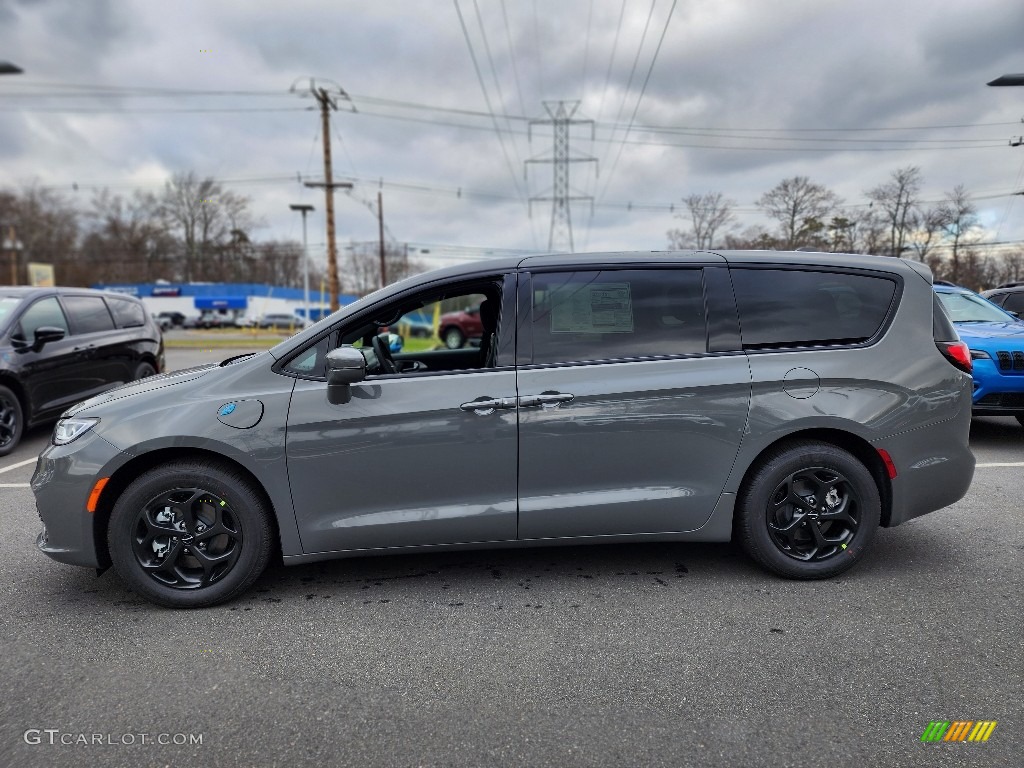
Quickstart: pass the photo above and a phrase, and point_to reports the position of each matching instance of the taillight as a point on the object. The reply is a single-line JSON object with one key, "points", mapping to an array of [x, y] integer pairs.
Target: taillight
{"points": [[957, 352]]}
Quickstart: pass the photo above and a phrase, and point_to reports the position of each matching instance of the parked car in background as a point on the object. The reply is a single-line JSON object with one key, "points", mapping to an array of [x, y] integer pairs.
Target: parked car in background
{"points": [[282, 321], [1009, 297], [996, 340], [175, 319], [163, 323], [62, 345], [456, 328], [215, 320], [794, 401]]}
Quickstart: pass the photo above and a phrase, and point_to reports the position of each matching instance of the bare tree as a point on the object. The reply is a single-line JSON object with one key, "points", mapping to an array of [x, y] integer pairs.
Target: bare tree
{"points": [[362, 270], [709, 213], [959, 223], [203, 214], [128, 240], [927, 231], [799, 206], [47, 226], [897, 200]]}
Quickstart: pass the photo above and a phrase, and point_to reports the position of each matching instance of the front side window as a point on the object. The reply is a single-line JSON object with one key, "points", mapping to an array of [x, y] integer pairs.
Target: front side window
{"points": [[43, 313], [617, 314], [444, 330], [782, 308], [1014, 302], [88, 314]]}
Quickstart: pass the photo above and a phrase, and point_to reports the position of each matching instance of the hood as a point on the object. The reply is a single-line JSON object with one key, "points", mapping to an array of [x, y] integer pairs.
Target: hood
{"points": [[1008, 330], [144, 385]]}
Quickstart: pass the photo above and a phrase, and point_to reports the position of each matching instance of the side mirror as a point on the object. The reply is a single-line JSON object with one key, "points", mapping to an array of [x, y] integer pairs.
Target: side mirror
{"points": [[345, 366], [45, 334]]}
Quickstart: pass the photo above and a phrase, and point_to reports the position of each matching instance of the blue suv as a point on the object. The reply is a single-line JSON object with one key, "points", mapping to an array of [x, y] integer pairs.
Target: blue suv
{"points": [[996, 340]]}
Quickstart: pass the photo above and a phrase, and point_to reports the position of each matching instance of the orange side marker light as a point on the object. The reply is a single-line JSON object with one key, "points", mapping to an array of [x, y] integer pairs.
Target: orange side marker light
{"points": [[94, 497]]}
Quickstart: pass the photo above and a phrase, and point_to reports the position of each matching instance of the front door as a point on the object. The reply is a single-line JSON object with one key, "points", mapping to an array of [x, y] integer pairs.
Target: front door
{"points": [[409, 460]]}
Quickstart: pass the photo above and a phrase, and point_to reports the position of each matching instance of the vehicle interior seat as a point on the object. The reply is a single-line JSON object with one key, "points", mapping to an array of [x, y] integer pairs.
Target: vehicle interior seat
{"points": [[489, 321]]}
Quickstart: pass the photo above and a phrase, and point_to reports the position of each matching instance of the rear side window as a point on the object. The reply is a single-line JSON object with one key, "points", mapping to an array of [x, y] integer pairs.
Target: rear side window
{"points": [[87, 314], [127, 313], [1014, 302], [793, 308], [616, 314]]}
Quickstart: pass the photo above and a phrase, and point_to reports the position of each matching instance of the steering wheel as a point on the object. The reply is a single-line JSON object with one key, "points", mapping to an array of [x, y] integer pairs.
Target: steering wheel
{"points": [[383, 351]]}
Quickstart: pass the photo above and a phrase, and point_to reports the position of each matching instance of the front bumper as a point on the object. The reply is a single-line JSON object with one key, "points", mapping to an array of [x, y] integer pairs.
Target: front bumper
{"points": [[997, 393], [63, 479]]}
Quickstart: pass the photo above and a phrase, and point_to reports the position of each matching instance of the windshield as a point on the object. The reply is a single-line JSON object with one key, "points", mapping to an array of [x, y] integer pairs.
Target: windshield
{"points": [[969, 308], [7, 306]]}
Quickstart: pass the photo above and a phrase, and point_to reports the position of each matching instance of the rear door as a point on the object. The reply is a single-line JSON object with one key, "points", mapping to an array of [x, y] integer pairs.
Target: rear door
{"points": [[107, 353], [627, 424]]}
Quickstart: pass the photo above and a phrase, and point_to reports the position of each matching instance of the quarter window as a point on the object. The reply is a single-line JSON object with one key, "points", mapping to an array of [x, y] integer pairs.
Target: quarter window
{"points": [[128, 314], [88, 314], [617, 314], [1014, 302], [792, 308]]}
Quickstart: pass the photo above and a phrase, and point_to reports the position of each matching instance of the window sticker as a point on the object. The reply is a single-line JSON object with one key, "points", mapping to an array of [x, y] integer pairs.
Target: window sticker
{"points": [[605, 308]]}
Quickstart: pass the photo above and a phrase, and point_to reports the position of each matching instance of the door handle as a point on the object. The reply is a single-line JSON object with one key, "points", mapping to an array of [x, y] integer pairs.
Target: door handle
{"points": [[545, 400], [487, 406]]}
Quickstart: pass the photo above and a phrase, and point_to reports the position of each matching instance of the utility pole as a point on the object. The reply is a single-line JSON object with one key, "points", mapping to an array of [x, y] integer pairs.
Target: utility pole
{"points": [[560, 114], [380, 226], [327, 101]]}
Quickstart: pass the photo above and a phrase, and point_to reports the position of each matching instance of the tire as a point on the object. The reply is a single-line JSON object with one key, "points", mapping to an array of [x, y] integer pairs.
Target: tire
{"points": [[453, 338], [776, 524], [12, 421], [145, 370], [160, 522]]}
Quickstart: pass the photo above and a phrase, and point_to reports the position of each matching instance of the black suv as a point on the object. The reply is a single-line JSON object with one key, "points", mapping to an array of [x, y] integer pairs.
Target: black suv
{"points": [[1009, 296], [62, 345]]}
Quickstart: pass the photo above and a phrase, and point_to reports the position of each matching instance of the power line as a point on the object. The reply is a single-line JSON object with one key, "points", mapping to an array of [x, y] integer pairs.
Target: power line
{"points": [[643, 90], [487, 99]]}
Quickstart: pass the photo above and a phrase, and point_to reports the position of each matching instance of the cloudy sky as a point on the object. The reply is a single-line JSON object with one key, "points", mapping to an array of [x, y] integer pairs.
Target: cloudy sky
{"points": [[687, 96]]}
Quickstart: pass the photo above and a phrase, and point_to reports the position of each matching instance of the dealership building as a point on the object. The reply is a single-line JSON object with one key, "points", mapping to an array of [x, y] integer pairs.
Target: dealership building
{"points": [[234, 300]]}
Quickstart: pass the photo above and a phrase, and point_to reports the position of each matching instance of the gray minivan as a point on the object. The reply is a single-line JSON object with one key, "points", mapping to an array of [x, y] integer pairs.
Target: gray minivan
{"points": [[794, 401]]}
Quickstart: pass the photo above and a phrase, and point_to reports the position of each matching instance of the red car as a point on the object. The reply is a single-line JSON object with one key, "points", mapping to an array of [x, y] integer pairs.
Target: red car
{"points": [[456, 327]]}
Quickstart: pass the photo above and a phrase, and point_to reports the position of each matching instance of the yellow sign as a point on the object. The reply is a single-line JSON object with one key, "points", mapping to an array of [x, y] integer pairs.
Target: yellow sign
{"points": [[40, 275]]}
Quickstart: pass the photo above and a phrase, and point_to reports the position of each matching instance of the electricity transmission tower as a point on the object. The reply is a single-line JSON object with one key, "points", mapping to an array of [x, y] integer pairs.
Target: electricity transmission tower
{"points": [[561, 197]]}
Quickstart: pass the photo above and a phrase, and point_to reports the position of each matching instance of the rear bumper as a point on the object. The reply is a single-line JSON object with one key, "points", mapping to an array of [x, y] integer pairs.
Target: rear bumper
{"points": [[934, 465]]}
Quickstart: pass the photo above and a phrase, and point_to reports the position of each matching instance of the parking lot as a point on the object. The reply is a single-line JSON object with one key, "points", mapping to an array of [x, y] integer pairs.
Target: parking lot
{"points": [[646, 655]]}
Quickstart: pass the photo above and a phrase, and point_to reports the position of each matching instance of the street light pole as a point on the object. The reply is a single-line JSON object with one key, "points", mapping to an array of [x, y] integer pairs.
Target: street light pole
{"points": [[6, 68], [304, 209]]}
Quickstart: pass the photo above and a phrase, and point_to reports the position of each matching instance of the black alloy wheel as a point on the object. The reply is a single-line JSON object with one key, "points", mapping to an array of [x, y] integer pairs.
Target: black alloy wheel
{"points": [[12, 423], [808, 510], [190, 533], [188, 538], [813, 514]]}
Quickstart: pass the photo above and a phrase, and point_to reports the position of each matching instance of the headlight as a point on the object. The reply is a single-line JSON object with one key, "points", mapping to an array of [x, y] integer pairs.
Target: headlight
{"points": [[71, 429], [980, 354]]}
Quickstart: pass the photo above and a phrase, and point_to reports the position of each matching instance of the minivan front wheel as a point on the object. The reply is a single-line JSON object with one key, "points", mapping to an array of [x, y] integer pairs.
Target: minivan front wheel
{"points": [[809, 510], [190, 534], [12, 422]]}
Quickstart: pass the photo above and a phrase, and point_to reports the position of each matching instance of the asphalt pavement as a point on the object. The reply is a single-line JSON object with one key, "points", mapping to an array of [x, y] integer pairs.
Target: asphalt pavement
{"points": [[645, 655]]}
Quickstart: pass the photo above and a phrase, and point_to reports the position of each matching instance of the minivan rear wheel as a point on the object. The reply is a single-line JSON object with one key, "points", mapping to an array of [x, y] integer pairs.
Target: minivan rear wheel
{"points": [[190, 534], [809, 510], [12, 421]]}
